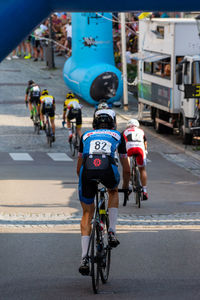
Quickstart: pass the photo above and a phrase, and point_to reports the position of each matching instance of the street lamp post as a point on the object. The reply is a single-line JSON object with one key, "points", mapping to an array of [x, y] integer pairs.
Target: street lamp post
{"points": [[124, 65], [49, 51]]}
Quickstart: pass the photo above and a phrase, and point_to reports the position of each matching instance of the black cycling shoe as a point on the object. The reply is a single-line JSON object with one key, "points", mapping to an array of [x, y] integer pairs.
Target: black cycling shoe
{"points": [[53, 138], [112, 240], [145, 196], [84, 267]]}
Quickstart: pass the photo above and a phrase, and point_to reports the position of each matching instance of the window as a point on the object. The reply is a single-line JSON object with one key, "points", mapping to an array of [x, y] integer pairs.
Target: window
{"points": [[160, 68], [196, 72], [161, 31]]}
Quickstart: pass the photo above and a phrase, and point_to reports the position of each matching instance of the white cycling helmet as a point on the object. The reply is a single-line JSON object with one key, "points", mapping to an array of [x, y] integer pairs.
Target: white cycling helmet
{"points": [[102, 105], [133, 122]]}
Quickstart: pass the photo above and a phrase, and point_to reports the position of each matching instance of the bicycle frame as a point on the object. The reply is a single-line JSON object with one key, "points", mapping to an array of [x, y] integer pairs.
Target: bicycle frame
{"points": [[36, 120]]}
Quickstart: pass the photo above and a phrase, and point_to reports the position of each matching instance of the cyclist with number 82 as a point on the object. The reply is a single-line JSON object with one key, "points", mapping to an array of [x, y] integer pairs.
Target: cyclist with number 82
{"points": [[96, 161]]}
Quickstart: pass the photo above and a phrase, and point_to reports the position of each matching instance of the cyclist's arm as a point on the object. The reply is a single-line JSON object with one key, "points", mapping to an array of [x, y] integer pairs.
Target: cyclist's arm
{"points": [[80, 156], [145, 142], [64, 111], [124, 162], [79, 164], [26, 96]]}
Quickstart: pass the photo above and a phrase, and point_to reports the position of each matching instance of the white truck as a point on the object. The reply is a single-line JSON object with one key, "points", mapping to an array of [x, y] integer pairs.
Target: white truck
{"points": [[169, 75]]}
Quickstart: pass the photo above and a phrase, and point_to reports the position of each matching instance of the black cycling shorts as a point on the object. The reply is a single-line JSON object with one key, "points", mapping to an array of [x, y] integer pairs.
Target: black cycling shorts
{"points": [[75, 114], [49, 110], [34, 99], [97, 167]]}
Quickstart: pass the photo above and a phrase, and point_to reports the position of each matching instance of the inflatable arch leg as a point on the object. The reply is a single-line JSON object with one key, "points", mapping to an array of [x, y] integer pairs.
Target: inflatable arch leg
{"points": [[91, 72]]}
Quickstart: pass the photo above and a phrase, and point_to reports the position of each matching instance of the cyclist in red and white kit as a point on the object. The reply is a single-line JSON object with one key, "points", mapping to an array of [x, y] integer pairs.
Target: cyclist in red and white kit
{"points": [[136, 144]]}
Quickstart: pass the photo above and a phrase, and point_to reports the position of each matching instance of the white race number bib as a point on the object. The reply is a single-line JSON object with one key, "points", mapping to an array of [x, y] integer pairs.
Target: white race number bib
{"points": [[100, 147]]}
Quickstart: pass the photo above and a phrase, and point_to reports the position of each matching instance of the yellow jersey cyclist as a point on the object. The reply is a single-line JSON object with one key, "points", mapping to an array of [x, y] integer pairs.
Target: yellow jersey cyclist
{"points": [[47, 105], [33, 93], [72, 110]]}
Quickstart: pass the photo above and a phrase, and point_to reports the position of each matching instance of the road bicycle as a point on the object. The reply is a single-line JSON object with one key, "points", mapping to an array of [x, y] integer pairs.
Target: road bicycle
{"points": [[99, 250], [135, 185], [36, 118], [135, 182], [74, 142], [48, 130]]}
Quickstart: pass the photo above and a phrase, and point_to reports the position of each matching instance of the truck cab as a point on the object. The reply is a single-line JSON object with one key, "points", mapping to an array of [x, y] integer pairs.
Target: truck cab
{"points": [[188, 79]]}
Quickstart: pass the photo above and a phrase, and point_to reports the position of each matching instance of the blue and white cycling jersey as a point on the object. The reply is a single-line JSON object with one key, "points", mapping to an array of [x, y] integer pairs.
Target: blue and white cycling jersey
{"points": [[102, 141]]}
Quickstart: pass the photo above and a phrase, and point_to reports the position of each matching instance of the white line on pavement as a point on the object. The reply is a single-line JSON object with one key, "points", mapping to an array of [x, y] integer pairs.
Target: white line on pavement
{"points": [[21, 156], [59, 157]]}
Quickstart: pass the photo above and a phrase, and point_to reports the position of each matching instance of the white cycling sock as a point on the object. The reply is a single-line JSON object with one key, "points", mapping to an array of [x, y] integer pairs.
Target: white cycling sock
{"points": [[84, 244], [113, 212], [144, 189], [69, 131]]}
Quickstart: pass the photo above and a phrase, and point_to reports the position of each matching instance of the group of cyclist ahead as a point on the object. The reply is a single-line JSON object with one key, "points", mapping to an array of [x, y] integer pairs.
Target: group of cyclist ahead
{"points": [[97, 158], [97, 163], [41, 106]]}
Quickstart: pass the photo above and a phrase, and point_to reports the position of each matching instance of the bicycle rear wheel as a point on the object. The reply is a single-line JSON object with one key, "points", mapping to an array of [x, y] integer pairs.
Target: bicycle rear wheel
{"points": [[48, 134], [94, 259], [106, 255], [138, 191], [36, 121], [37, 127], [72, 147]]}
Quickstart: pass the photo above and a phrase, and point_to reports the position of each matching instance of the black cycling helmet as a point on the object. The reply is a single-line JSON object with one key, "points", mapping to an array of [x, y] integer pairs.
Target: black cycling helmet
{"points": [[70, 95], [45, 92], [103, 121], [30, 82]]}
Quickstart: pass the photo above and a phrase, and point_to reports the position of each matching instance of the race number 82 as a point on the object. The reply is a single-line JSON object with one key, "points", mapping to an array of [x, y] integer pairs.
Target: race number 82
{"points": [[100, 146]]}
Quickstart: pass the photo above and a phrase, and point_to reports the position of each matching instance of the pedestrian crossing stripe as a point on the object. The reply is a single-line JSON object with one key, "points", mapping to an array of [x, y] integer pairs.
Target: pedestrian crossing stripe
{"points": [[21, 156], [27, 157], [59, 157]]}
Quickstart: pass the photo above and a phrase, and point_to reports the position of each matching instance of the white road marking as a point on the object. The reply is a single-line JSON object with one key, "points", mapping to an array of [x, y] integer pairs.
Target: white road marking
{"points": [[59, 157], [21, 156]]}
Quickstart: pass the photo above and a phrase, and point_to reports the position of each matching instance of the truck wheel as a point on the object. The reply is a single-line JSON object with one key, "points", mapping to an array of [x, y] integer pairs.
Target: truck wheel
{"points": [[187, 139], [160, 128]]}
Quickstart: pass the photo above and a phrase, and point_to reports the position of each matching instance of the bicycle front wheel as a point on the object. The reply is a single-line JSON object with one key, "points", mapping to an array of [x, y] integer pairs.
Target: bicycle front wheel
{"points": [[95, 266], [106, 255]]}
